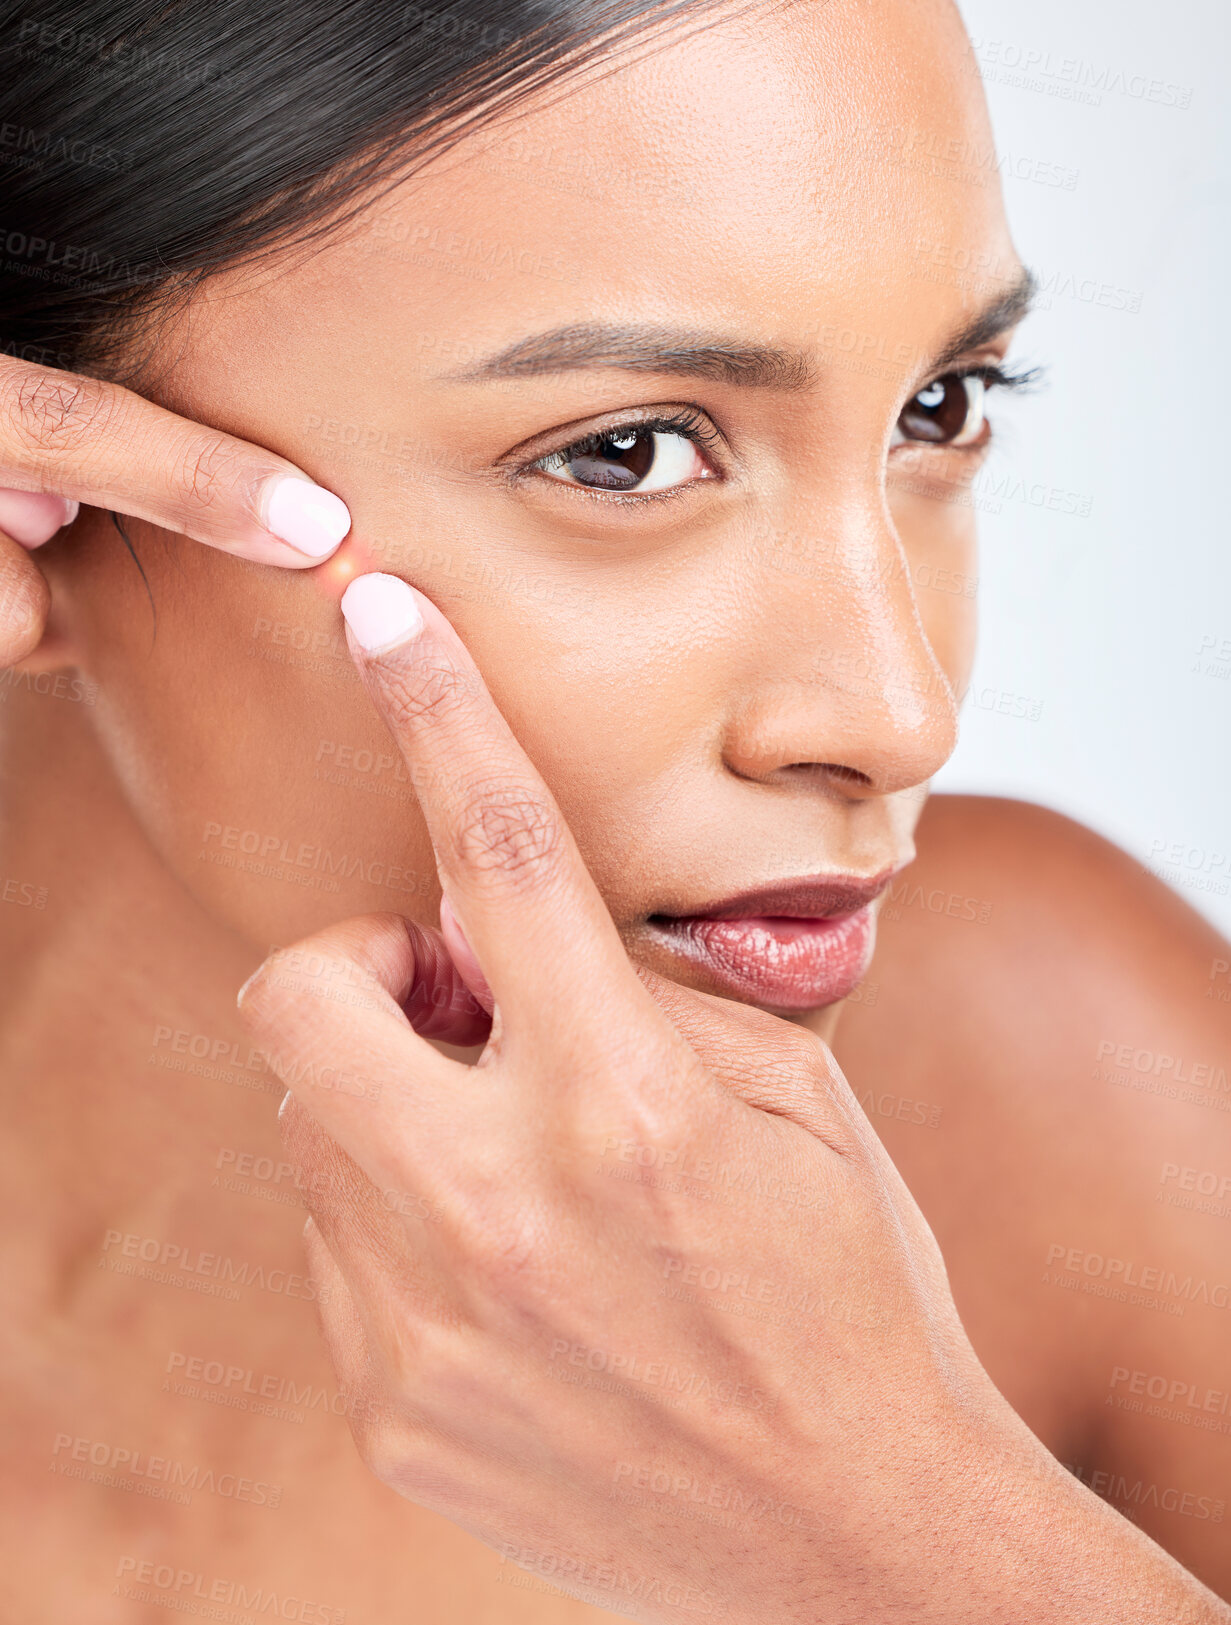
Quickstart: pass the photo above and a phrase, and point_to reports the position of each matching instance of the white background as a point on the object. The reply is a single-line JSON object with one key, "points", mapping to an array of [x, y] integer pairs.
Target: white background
{"points": [[1100, 624]]}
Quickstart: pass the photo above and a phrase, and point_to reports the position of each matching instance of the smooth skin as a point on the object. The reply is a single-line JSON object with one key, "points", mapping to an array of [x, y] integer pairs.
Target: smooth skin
{"points": [[752, 679]]}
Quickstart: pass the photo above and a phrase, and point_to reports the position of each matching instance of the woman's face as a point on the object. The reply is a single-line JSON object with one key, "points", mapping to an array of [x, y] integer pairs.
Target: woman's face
{"points": [[730, 644]]}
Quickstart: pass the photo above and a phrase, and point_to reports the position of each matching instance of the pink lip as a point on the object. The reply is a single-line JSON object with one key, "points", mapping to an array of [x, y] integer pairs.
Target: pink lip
{"points": [[797, 946]]}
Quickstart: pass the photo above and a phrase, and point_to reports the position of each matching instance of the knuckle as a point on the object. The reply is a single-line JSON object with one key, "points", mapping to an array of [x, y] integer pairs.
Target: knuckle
{"points": [[505, 1248], [800, 1053], [799, 1060], [397, 1438], [502, 1241], [54, 412], [509, 830], [628, 1125], [382, 1449], [782, 1075]]}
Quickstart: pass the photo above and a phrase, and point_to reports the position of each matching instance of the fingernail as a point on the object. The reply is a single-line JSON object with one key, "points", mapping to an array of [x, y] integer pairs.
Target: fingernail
{"points": [[381, 611], [243, 992], [464, 956], [306, 516], [34, 517]]}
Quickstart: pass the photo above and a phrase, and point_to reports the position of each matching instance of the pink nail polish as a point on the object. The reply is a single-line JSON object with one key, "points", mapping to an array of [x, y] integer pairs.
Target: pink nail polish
{"points": [[381, 611], [305, 515], [34, 517]]}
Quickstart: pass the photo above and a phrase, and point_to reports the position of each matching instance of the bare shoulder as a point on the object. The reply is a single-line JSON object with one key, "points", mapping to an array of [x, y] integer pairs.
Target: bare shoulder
{"points": [[1044, 1045], [1067, 950]]}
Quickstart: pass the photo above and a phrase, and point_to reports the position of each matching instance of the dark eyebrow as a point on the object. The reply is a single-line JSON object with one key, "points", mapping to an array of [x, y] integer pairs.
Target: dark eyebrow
{"points": [[704, 355], [647, 349], [993, 320]]}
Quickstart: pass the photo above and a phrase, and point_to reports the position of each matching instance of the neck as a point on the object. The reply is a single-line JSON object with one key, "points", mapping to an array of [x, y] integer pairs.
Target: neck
{"points": [[128, 1078]]}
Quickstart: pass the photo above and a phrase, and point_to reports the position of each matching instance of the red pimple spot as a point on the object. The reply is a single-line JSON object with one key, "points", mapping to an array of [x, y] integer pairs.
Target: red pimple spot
{"points": [[336, 574]]}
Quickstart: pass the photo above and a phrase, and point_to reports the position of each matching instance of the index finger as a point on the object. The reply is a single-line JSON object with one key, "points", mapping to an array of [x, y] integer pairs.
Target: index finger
{"points": [[94, 442], [508, 862]]}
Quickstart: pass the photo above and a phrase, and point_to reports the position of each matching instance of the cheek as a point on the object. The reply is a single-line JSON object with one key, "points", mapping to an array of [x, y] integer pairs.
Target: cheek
{"points": [[244, 741], [250, 753], [586, 657]]}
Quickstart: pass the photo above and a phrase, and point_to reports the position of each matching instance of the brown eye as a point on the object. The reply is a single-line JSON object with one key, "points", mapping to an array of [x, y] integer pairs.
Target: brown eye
{"points": [[615, 462], [949, 411], [636, 459]]}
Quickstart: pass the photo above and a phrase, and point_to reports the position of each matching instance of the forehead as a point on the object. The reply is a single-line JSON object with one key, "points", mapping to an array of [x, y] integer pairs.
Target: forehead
{"points": [[784, 171]]}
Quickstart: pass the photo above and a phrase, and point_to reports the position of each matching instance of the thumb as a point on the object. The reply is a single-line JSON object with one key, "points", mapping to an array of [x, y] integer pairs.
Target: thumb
{"points": [[24, 601]]}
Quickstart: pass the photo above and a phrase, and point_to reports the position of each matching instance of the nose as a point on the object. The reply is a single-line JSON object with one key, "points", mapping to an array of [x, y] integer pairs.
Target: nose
{"points": [[845, 687]]}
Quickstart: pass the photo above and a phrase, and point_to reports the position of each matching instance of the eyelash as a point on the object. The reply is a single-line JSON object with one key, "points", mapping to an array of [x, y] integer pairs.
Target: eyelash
{"points": [[693, 425], [689, 422], [995, 376]]}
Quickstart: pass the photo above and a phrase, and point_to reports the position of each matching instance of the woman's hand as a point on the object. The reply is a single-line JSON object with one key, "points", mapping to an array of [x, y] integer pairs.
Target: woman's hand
{"points": [[65, 440], [639, 1299]]}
